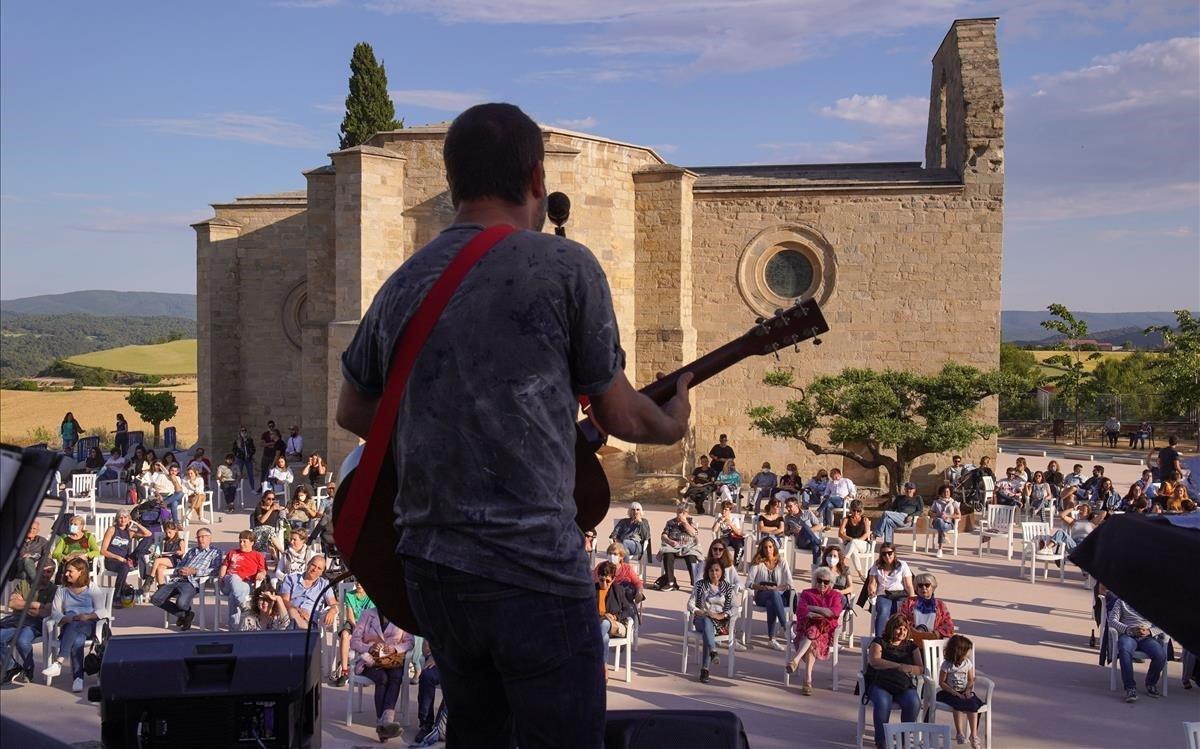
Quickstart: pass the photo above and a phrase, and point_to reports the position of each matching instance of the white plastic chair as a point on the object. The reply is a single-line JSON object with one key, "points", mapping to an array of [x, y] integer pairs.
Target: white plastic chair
{"points": [[692, 637], [931, 535], [908, 529], [643, 560], [862, 690], [1191, 730], [931, 651], [626, 643], [748, 609], [1031, 534], [1114, 665], [103, 521], [50, 633], [355, 683], [82, 492], [200, 603], [207, 505], [834, 648], [916, 736], [120, 483], [999, 525]]}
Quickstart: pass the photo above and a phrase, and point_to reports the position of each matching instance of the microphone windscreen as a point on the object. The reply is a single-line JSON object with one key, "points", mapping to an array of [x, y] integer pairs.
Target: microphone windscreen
{"points": [[558, 207]]}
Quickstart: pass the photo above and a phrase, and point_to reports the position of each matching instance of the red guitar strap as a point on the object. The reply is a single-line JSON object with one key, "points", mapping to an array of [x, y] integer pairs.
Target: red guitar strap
{"points": [[412, 340]]}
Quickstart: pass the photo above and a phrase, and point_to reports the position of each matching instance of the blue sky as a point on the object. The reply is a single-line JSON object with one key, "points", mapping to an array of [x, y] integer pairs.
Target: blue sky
{"points": [[120, 122]]}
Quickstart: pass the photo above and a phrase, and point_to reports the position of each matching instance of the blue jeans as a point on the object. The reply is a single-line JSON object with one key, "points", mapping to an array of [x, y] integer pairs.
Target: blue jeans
{"points": [[246, 469], [520, 665], [30, 631], [1126, 645], [708, 633], [426, 691], [881, 708], [888, 524], [772, 601], [941, 526], [807, 538], [1011, 500], [238, 591], [181, 590], [633, 548], [828, 506], [173, 501], [884, 608], [1062, 537], [71, 640], [107, 474]]}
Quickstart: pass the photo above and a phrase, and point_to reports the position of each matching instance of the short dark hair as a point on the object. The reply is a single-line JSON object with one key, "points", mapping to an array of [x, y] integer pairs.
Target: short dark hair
{"points": [[895, 622], [491, 151], [247, 535], [1172, 440], [606, 569]]}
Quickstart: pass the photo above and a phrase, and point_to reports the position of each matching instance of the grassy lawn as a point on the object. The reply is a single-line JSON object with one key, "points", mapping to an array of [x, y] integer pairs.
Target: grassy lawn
{"points": [[174, 358]]}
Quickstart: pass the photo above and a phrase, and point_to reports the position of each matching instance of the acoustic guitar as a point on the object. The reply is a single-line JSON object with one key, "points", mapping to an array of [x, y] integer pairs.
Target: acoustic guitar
{"points": [[374, 562]]}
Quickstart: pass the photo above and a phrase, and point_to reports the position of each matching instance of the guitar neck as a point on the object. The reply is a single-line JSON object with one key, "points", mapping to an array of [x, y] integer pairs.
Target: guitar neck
{"points": [[707, 366]]}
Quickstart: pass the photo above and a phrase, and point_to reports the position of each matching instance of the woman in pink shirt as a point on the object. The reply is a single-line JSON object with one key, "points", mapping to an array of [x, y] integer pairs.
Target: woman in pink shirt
{"points": [[818, 611], [382, 647]]}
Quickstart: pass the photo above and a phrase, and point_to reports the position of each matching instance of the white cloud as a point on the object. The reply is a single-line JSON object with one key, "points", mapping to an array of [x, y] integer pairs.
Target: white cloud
{"points": [[881, 111], [442, 101], [236, 126], [582, 123]]}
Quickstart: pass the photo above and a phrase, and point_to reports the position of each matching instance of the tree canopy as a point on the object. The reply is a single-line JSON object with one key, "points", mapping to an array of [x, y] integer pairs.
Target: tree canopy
{"points": [[1073, 382], [1177, 372], [369, 108], [154, 407], [885, 419]]}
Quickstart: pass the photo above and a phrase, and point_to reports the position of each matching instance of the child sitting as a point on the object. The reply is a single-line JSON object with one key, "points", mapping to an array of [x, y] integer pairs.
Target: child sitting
{"points": [[956, 687]]}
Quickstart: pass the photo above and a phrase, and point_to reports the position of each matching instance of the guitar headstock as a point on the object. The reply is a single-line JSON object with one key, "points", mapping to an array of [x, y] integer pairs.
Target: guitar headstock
{"points": [[788, 327]]}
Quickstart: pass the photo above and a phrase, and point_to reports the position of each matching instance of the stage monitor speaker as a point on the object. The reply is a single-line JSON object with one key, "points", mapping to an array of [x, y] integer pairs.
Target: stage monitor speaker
{"points": [[656, 729], [208, 689]]}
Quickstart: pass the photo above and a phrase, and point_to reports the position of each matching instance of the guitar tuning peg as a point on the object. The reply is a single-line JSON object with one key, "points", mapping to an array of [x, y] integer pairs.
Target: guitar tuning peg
{"points": [[816, 341]]}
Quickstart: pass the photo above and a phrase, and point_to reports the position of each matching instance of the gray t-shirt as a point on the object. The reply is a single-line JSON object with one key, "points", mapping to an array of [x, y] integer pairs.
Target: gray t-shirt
{"points": [[485, 438]]}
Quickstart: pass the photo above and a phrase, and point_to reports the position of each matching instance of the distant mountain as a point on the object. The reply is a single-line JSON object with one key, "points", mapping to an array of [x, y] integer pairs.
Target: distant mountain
{"points": [[31, 343], [1025, 325], [105, 304]]}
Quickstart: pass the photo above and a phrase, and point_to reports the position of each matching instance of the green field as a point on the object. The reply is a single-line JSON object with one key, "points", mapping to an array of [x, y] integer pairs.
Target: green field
{"points": [[174, 358], [1042, 356]]}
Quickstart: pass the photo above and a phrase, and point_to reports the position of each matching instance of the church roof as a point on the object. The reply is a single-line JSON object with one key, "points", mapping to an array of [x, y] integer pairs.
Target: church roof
{"points": [[880, 175]]}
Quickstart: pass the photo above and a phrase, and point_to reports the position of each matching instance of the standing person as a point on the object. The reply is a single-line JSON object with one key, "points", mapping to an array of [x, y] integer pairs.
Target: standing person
{"points": [[721, 452], [1169, 458], [243, 451], [293, 448], [485, 547], [956, 472], [121, 435], [70, 431], [268, 452]]}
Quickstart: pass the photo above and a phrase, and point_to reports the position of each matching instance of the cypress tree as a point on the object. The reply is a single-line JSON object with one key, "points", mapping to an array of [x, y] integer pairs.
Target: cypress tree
{"points": [[369, 109]]}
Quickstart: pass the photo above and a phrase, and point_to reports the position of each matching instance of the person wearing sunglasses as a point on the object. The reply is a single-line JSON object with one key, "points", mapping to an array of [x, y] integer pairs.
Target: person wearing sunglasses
{"points": [[889, 582], [818, 611], [927, 616]]}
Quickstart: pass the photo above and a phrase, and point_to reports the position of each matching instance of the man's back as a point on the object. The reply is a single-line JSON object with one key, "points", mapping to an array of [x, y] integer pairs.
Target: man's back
{"points": [[484, 445]]}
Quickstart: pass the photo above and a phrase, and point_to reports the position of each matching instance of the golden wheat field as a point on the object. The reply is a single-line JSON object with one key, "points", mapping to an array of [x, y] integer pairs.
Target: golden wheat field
{"points": [[21, 413]]}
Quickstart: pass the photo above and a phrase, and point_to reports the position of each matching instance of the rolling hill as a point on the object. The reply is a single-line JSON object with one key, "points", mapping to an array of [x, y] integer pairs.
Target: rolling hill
{"points": [[1024, 326], [105, 304], [31, 343], [172, 358]]}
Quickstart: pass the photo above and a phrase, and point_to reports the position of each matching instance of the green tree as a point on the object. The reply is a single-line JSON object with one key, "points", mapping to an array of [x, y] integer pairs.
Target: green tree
{"points": [[1073, 382], [1020, 364], [154, 407], [369, 109], [1177, 372], [902, 413]]}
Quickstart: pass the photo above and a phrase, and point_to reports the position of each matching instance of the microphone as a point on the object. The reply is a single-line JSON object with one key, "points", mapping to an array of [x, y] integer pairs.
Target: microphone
{"points": [[558, 210]]}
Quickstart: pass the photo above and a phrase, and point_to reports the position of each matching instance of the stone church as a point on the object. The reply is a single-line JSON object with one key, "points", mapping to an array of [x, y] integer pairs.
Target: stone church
{"points": [[903, 257]]}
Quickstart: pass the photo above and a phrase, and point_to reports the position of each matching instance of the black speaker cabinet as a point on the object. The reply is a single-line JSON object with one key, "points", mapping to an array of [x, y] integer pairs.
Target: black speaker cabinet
{"points": [[210, 689], [657, 729]]}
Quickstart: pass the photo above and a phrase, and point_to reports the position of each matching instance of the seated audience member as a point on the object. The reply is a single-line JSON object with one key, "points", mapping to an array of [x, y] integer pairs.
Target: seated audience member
{"points": [[771, 580], [178, 493], [720, 551], [1010, 490], [632, 531], [315, 471], [295, 557], [123, 544], [1130, 500], [1105, 497], [833, 559], [956, 473], [589, 542], [902, 512], [266, 522], [711, 606], [1023, 471], [427, 685], [803, 526], [202, 465], [1075, 477], [770, 523], [1177, 500], [1093, 484], [242, 569], [626, 572], [763, 486], [1053, 477], [818, 612], [855, 534], [894, 670], [156, 483], [943, 514], [301, 511], [1136, 633], [616, 603], [280, 476], [267, 612], [36, 610], [838, 491], [138, 464], [228, 480], [33, 556], [382, 648], [182, 583], [678, 540], [1147, 485], [93, 463], [814, 490], [729, 482], [790, 483], [727, 527], [1038, 493], [889, 582], [301, 593], [77, 543], [700, 485], [956, 687], [112, 468], [926, 615], [77, 606], [356, 601]]}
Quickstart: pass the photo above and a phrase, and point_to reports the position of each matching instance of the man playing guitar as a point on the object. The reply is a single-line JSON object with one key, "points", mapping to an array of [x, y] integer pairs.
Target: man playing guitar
{"points": [[494, 563]]}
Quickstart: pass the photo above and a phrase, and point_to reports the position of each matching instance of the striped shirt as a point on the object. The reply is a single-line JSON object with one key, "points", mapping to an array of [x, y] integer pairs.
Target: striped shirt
{"points": [[1122, 617]]}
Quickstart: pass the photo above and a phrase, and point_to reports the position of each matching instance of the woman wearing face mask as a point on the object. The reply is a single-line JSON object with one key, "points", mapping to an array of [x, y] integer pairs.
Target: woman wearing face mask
{"points": [[625, 571], [76, 543], [833, 558]]}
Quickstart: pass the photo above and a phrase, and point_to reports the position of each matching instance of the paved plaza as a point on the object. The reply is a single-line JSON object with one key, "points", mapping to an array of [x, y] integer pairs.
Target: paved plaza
{"points": [[1031, 639]]}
